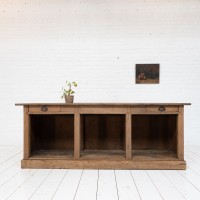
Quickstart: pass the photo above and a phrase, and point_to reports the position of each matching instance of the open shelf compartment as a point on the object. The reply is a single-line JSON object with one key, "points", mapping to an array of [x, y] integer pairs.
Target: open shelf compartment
{"points": [[52, 136], [154, 137], [102, 136]]}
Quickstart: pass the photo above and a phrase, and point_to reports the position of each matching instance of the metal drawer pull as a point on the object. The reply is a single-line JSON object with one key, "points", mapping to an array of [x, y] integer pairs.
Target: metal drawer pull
{"points": [[44, 108], [162, 108]]}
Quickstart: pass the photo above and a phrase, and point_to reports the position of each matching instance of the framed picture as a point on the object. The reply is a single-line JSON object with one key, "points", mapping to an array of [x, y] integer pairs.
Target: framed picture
{"points": [[147, 73]]}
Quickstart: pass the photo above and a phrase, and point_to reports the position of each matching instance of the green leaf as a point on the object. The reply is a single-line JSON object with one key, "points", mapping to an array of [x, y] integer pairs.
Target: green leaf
{"points": [[75, 84]]}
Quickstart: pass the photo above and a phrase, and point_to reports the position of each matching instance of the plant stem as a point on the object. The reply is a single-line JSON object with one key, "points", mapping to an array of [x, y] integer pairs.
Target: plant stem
{"points": [[70, 89]]}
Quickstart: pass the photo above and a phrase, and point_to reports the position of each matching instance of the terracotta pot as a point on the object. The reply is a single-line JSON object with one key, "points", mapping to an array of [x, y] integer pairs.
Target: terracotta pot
{"points": [[69, 98]]}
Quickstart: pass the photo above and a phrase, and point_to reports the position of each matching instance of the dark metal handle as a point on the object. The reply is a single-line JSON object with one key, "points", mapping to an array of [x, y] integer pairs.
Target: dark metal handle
{"points": [[44, 108], [162, 108]]}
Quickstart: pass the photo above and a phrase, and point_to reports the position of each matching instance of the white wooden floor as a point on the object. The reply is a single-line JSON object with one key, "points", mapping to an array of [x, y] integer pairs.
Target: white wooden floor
{"points": [[23, 184]]}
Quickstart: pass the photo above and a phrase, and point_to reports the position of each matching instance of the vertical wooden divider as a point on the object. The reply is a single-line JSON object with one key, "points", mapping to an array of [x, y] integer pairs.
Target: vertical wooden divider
{"points": [[26, 133], [128, 135], [180, 133], [77, 138]]}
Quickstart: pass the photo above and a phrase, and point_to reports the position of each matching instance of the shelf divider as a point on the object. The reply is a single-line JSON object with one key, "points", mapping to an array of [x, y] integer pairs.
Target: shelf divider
{"points": [[128, 136], [77, 137]]}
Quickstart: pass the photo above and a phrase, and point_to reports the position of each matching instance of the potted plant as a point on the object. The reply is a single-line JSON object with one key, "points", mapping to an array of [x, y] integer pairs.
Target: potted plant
{"points": [[67, 93]]}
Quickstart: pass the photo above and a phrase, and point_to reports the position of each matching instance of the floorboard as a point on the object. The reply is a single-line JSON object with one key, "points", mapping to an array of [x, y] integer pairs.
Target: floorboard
{"points": [[8, 163], [9, 173], [88, 185], [46, 190], [164, 186], [26, 190], [10, 154], [145, 185], [15, 182], [107, 187], [126, 185], [182, 185], [69, 185]]}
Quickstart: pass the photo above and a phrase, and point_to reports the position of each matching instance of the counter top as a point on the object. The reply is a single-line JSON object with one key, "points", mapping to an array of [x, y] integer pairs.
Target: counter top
{"points": [[102, 104]]}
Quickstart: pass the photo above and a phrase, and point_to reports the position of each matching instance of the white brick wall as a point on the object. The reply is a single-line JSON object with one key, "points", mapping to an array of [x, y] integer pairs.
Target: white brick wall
{"points": [[97, 43]]}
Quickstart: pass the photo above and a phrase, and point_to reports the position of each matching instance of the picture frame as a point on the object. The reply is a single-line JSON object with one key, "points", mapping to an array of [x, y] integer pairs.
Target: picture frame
{"points": [[147, 73]]}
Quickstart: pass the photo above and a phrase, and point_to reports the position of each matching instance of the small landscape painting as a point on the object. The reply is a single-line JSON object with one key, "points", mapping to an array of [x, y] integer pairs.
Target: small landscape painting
{"points": [[147, 73]]}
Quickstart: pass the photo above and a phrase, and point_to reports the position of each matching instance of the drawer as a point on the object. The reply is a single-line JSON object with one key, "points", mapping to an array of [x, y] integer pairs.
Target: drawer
{"points": [[137, 109], [44, 109], [161, 109], [102, 110], [67, 109]]}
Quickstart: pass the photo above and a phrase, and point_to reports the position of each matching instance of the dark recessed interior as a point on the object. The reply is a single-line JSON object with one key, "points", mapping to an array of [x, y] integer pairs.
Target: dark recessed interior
{"points": [[102, 132], [154, 132], [52, 133]]}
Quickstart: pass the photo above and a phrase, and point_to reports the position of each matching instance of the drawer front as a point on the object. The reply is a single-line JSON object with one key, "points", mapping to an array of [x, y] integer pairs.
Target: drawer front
{"points": [[44, 109], [161, 109], [102, 110], [137, 109], [67, 109]]}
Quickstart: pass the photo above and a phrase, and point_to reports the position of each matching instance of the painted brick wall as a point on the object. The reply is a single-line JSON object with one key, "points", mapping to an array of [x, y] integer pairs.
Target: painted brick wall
{"points": [[97, 43]]}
